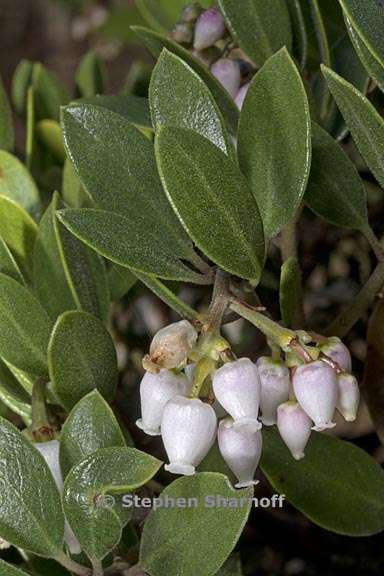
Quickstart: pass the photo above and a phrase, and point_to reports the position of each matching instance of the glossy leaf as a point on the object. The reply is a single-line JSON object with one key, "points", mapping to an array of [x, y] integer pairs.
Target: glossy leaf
{"points": [[363, 120], [337, 485], [21, 80], [49, 134], [91, 425], [290, 292], [8, 264], [335, 190], [299, 32], [99, 520], [17, 184], [191, 106], [212, 200], [90, 75], [261, 28], [31, 516], [155, 43], [274, 143], [135, 109], [175, 539], [18, 230], [49, 92], [374, 67], [7, 134], [10, 570], [12, 394], [67, 274], [81, 358], [25, 328], [73, 193]]}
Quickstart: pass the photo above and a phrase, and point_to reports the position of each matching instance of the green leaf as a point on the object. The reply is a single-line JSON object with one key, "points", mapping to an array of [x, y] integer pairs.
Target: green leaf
{"points": [[197, 538], [98, 521], [299, 32], [17, 183], [31, 516], [7, 133], [12, 394], [290, 292], [67, 274], [191, 106], [10, 570], [162, 15], [261, 28], [135, 109], [81, 357], [120, 281], [212, 200], [274, 142], [116, 164], [337, 485], [363, 120], [20, 82], [49, 92], [8, 264], [156, 42], [18, 230], [335, 190], [321, 92], [367, 18], [25, 328], [374, 68], [90, 426], [49, 134], [72, 191], [91, 75]]}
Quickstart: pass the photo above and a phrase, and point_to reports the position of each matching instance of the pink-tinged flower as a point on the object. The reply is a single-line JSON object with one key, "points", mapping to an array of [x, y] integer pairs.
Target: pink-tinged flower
{"points": [[349, 396], [209, 28], [294, 426], [240, 96], [338, 352], [50, 452], [316, 390], [155, 391], [188, 429], [236, 386], [227, 72], [241, 451], [172, 344], [274, 381]]}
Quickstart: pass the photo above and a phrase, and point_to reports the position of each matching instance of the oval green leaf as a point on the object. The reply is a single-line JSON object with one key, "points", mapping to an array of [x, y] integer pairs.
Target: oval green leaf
{"points": [[17, 184], [91, 425], [81, 357], [90, 75], [135, 109], [49, 134], [363, 120], [212, 200], [175, 539], [275, 140], [20, 83], [8, 264], [13, 394], [299, 32], [31, 516], [374, 68], [49, 93], [337, 485], [95, 517], [192, 106], [261, 28], [25, 328]]}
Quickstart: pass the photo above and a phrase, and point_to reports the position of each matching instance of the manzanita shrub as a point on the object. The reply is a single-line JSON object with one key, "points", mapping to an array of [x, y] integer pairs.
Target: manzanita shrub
{"points": [[201, 183]]}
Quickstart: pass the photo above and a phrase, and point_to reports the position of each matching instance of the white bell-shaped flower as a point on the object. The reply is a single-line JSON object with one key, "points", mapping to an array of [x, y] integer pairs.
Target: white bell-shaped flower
{"points": [[349, 396], [188, 429], [316, 390], [227, 72], [236, 386], [241, 451], [172, 344], [338, 352], [294, 426], [155, 391], [209, 28], [50, 452], [240, 96], [274, 387]]}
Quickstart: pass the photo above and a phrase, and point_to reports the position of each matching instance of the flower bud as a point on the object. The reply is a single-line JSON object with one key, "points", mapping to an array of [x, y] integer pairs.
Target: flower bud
{"points": [[315, 387], [294, 426], [349, 396], [188, 429], [210, 27], [182, 33], [236, 386], [227, 72], [172, 344], [155, 391], [338, 352], [50, 452], [274, 388], [240, 96], [241, 451]]}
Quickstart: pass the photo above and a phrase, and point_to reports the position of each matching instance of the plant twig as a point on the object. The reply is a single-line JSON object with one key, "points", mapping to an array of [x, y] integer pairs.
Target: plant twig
{"points": [[219, 302], [97, 568], [41, 428]]}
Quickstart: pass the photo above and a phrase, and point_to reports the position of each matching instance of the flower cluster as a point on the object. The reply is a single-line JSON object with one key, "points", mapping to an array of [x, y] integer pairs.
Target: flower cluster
{"points": [[240, 396], [204, 31]]}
